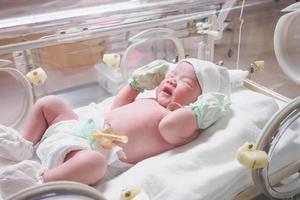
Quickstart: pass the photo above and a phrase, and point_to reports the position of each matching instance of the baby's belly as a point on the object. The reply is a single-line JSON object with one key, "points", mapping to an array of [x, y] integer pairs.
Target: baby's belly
{"points": [[139, 121]]}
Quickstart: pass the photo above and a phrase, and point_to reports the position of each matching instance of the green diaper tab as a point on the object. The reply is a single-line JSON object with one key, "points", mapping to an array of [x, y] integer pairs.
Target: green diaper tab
{"points": [[85, 131]]}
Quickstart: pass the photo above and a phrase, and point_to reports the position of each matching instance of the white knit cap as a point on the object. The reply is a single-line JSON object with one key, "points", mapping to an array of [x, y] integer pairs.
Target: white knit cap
{"points": [[211, 77]]}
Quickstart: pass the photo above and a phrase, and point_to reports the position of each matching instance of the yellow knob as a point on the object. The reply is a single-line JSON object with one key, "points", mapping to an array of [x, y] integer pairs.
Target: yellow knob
{"points": [[131, 193], [112, 60], [248, 156], [260, 65], [37, 76]]}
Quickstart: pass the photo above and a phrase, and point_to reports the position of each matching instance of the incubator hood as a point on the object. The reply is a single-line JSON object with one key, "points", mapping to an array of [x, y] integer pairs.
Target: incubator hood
{"points": [[31, 32], [287, 42], [284, 182], [53, 22]]}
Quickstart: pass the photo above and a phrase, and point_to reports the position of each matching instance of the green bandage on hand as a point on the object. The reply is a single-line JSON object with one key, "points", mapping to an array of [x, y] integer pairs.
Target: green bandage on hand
{"points": [[134, 85], [149, 76], [209, 108]]}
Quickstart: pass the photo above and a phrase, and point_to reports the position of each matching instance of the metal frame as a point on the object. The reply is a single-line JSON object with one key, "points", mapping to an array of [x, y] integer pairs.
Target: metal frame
{"points": [[91, 34]]}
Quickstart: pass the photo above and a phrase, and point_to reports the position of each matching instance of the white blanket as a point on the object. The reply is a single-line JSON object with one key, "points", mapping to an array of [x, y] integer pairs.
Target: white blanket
{"points": [[203, 169]]}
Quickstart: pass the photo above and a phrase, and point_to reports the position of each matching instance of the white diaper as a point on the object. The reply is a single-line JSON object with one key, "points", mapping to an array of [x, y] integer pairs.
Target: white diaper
{"points": [[60, 139]]}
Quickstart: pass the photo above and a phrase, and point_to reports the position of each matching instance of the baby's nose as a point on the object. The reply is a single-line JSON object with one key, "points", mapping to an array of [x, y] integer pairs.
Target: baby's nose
{"points": [[172, 82]]}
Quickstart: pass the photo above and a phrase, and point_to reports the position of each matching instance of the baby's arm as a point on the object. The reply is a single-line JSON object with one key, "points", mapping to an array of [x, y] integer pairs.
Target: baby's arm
{"points": [[179, 126], [125, 96]]}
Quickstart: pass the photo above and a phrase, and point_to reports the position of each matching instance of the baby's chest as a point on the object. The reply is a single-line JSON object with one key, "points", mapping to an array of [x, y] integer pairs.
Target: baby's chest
{"points": [[136, 117]]}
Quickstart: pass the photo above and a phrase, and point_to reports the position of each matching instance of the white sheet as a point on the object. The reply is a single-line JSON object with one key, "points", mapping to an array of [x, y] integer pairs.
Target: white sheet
{"points": [[202, 169], [205, 168]]}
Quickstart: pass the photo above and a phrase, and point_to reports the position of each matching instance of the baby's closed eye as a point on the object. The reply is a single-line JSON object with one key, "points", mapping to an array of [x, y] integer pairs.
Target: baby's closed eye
{"points": [[187, 81]]}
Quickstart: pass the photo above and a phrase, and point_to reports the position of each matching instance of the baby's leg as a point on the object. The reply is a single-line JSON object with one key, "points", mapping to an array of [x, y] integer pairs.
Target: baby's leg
{"points": [[82, 166], [45, 112]]}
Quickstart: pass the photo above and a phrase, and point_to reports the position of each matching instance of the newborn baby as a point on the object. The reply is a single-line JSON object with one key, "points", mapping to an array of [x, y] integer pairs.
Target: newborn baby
{"points": [[192, 97], [156, 125]]}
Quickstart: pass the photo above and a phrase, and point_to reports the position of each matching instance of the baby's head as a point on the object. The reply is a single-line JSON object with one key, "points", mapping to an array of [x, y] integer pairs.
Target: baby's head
{"points": [[180, 86], [191, 78]]}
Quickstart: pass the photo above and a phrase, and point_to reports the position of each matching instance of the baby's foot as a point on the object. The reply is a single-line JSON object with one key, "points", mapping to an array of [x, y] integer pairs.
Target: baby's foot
{"points": [[22, 175], [13, 146]]}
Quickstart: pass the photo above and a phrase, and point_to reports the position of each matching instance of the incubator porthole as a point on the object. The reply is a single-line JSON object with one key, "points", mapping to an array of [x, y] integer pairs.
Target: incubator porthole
{"points": [[14, 98], [59, 190], [281, 140], [55, 196], [285, 152]]}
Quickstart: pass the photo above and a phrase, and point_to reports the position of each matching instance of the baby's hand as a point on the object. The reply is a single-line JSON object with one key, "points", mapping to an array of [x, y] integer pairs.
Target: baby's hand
{"points": [[149, 76], [174, 106], [209, 108]]}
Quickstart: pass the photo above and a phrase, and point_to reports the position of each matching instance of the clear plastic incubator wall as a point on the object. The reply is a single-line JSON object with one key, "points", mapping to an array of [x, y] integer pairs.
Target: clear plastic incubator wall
{"points": [[84, 51]]}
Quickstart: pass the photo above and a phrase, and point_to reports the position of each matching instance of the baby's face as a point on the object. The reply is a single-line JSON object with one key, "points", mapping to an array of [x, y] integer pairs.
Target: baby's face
{"points": [[180, 86]]}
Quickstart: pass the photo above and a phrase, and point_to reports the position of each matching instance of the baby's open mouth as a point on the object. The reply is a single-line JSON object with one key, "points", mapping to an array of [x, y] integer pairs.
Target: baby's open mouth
{"points": [[167, 90]]}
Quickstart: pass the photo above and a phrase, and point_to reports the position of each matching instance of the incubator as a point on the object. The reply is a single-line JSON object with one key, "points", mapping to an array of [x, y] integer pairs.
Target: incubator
{"points": [[96, 45]]}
